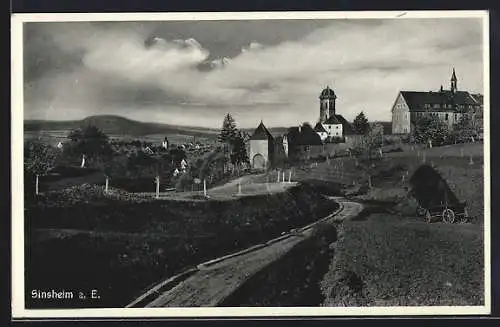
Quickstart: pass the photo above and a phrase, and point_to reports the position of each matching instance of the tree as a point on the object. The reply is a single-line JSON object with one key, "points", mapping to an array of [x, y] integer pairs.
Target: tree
{"points": [[239, 155], [464, 129], [114, 167], [430, 129], [360, 124], [376, 136], [89, 141], [39, 158], [228, 131]]}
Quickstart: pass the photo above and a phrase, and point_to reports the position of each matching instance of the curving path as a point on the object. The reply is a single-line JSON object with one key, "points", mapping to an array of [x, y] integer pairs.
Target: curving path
{"points": [[215, 280]]}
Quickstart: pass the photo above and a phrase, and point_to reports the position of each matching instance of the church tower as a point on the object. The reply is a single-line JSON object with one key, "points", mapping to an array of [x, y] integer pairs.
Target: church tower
{"points": [[326, 104], [453, 80]]}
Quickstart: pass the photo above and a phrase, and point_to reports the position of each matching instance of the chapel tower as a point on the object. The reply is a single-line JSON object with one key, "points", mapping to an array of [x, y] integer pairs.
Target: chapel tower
{"points": [[326, 104]]}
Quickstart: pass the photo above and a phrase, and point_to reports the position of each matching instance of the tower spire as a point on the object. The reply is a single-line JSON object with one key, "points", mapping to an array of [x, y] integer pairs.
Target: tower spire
{"points": [[453, 81]]}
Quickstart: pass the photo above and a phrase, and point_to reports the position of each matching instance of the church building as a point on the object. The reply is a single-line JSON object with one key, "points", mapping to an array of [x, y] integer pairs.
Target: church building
{"points": [[447, 105], [330, 126]]}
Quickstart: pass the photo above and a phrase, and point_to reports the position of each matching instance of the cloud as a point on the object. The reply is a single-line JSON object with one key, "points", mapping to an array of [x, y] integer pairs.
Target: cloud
{"points": [[123, 68]]}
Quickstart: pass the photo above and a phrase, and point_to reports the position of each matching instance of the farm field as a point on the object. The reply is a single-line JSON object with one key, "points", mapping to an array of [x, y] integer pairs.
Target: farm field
{"points": [[56, 136]]}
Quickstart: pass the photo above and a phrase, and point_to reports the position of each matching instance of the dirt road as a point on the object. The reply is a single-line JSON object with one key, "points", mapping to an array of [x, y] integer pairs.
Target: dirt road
{"points": [[213, 282]]}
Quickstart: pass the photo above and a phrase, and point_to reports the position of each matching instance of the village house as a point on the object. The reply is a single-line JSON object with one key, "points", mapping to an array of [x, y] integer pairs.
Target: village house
{"points": [[446, 105], [331, 126]]}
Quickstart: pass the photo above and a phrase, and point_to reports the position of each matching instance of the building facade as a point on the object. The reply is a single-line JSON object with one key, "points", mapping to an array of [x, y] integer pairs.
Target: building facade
{"points": [[261, 148], [446, 105], [330, 125]]}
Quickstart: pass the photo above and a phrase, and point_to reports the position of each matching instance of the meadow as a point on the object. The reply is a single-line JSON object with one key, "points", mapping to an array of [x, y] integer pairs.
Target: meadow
{"points": [[391, 257]]}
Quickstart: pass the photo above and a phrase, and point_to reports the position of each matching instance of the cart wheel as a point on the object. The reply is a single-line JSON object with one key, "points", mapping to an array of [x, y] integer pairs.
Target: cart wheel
{"points": [[428, 217], [465, 217], [448, 216], [420, 211]]}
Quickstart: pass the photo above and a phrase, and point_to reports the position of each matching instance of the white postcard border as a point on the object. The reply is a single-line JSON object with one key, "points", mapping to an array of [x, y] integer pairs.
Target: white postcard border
{"points": [[18, 290]]}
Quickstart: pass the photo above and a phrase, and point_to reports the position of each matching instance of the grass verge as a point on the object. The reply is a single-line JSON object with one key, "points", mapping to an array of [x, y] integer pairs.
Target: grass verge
{"points": [[387, 260]]}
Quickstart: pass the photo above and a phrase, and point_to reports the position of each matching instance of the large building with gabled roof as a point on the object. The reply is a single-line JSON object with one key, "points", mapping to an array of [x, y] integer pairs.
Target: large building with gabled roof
{"points": [[447, 105]]}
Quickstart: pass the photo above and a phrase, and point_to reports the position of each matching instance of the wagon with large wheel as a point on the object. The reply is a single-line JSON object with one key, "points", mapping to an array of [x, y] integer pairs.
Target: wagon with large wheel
{"points": [[436, 201], [446, 212]]}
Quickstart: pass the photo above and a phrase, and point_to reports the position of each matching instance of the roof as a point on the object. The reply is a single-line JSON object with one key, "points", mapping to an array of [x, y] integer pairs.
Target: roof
{"points": [[327, 93], [306, 136], [417, 100], [453, 75], [261, 133], [478, 98], [332, 120], [319, 128], [339, 119]]}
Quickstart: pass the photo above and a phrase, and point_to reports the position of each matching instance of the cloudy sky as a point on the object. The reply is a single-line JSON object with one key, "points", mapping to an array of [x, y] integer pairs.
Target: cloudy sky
{"points": [[193, 72]]}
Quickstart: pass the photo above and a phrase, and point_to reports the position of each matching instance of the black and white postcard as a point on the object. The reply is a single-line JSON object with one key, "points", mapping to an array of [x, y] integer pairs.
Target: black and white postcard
{"points": [[250, 164]]}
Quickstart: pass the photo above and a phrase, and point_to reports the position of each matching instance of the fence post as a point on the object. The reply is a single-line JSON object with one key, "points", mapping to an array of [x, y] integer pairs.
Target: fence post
{"points": [[107, 184], [471, 162], [205, 187], [157, 187], [278, 180], [239, 188], [290, 176], [283, 176]]}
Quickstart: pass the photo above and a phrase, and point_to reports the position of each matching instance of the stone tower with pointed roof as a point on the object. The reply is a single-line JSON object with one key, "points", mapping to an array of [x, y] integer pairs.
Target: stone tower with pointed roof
{"points": [[261, 148], [326, 104]]}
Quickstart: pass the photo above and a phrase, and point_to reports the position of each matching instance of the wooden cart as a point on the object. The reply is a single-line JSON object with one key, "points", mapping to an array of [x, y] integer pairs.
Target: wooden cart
{"points": [[445, 212]]}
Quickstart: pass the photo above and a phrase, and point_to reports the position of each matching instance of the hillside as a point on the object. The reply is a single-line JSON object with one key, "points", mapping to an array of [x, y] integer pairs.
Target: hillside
{"points": [[111, 124]]}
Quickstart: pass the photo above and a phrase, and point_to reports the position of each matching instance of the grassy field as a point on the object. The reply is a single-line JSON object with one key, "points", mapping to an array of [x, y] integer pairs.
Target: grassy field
{"points": [[387, 260], [120, 245], [464, 178], [389, 257], [56, 136]]}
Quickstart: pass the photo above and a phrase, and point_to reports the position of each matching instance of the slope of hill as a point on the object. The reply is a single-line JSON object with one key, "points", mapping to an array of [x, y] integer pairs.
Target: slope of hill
{"points": [[111, 124]]}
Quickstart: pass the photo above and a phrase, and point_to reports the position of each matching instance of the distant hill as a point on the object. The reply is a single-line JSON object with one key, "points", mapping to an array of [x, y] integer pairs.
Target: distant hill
{"points": [[117, 125]]}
